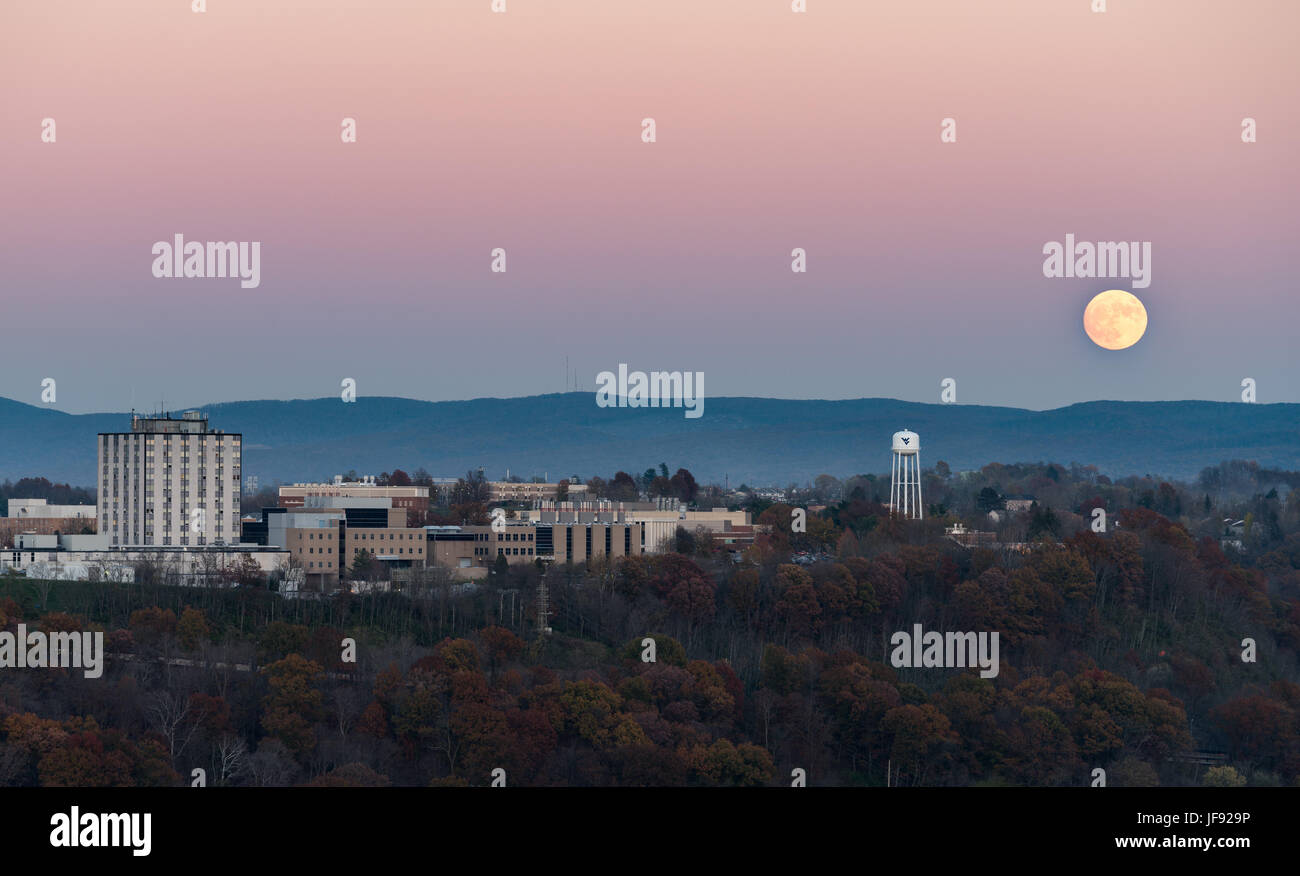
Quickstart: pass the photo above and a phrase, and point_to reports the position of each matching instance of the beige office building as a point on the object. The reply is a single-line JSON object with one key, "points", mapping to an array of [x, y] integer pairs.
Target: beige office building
{"points": [[169, 482], [509, 491], [40, 509], [411, 498], [326, 537], [660, 524], [471, 546], [386, 545]]}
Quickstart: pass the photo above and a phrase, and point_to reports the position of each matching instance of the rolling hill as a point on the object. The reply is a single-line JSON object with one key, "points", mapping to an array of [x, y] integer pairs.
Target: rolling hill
{"points": [[758, 440]]}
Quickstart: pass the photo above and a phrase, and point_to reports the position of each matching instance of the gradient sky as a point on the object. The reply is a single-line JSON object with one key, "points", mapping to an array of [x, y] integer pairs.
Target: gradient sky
{"points": [[522, 130]]}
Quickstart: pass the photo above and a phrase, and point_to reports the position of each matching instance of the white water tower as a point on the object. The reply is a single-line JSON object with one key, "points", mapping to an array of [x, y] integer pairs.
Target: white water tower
{"points": [[905, 480]]}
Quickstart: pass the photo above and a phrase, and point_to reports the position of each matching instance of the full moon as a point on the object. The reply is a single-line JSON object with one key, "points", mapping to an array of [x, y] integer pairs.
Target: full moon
{"points": [[1115, 319]]}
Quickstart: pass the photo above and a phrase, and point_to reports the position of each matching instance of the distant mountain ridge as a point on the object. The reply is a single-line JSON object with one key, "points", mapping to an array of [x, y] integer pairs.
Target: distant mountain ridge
{"points": [[754, 440]]}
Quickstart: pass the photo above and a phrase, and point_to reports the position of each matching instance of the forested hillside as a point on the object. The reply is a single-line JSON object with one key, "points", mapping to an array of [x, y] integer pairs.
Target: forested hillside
{"points": [[1120, 650]]}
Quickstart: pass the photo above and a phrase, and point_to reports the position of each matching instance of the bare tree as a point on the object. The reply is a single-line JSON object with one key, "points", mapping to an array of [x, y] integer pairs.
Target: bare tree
{"points": [[271, 765], [349, 702], [172, 715], [167, 712], [13, 761], [43, 586], [232, 755], [147, 572]]}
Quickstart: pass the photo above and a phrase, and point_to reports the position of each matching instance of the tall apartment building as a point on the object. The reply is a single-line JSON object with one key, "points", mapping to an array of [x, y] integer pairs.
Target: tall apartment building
{"points": [[169, 481]]}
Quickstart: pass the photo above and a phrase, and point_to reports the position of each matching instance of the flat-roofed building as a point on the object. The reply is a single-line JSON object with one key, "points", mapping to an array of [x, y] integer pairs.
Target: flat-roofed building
{"points": [[41, 509], [468, 546], [660, 520], [92, 558], [313, 539], [510, 491], [1018, 503], [455, 546], [412, 498], [395, 546], [169, 482], [325, 537], [11, 526]]}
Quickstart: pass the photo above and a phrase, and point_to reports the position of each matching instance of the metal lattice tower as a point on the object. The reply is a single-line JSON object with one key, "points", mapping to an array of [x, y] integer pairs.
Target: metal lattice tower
{"points": [[543, 608]]}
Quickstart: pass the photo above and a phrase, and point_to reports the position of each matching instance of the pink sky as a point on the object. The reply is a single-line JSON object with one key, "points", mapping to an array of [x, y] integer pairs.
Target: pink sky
{"points": [[522, 130]]}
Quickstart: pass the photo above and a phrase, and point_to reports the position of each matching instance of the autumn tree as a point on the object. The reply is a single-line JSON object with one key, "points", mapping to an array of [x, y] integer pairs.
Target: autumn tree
{"points": [[501, 645], [726, 764], [192, 629], [294, 704]]}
